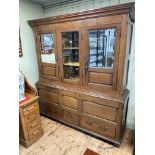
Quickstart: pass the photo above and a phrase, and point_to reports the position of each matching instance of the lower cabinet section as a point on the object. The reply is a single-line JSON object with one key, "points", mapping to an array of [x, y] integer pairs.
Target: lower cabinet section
{"points": [[93, 116]]}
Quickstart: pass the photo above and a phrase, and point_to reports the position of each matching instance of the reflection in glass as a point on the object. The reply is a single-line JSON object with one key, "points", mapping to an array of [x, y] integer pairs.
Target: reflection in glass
{"points": [[47, 48], [101, 46], [70, 51]]}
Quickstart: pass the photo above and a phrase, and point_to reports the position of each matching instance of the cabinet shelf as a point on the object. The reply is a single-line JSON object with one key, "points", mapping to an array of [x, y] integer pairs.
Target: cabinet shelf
{"points": [[70, 48], [76, 64]]}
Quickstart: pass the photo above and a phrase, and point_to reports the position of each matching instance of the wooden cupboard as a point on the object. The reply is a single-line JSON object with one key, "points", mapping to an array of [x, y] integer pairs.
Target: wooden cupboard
{"points": [[83, 61]]}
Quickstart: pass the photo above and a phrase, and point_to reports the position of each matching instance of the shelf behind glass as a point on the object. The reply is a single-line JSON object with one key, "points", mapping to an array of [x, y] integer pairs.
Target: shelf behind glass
{"points": [[72, 64]]}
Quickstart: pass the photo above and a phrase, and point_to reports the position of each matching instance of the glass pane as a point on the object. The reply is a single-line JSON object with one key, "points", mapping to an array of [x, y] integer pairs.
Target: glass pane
{"points": [[70, 49], [101, 48], [47, 48]]}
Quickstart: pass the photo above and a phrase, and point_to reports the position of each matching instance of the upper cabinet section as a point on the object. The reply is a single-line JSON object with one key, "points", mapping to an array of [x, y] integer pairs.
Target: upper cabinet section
{"points": [[47, 48], [101, 48], [86, 48]]}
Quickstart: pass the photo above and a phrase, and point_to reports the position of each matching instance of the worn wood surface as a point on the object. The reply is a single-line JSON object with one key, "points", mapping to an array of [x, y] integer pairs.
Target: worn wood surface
{"points": [[96, 102], [62, 140]]}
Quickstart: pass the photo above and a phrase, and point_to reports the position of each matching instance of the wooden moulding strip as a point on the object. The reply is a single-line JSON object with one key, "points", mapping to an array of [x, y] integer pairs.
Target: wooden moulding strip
{"points": [[113, 10]]}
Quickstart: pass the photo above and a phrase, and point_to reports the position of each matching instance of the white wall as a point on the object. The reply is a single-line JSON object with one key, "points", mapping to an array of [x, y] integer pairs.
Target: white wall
{"points": [[28, 62], [131, 85]]}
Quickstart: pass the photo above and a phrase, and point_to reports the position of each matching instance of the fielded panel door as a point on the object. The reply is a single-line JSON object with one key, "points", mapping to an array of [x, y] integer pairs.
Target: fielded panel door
{"points": [[101, 56], [47, 54]]}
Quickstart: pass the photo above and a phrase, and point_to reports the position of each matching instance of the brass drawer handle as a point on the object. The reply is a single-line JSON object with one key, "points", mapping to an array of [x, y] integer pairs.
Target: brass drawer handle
{"points": [[31, 108], [35, 132], [34, 124]]}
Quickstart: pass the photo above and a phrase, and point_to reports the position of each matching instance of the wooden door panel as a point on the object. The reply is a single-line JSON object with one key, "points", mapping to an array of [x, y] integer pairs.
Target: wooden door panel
{"points": [[48, 66], [100, 78], [101, 69], [50, 71], [70, 102]]}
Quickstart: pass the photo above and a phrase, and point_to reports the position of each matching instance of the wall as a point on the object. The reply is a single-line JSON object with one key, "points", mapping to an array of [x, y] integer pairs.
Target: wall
{"points": [[82, 5], [28, 62], [131, 85]]}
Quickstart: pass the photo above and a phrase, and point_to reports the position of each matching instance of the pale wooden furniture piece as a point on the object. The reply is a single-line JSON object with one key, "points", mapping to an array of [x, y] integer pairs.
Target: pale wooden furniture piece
{"points": [[83, 61], [30, 129]]}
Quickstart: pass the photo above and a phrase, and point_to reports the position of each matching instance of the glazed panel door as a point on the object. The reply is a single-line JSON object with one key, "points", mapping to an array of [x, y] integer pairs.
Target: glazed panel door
{"points": [[70, 54], [101, 59], [47, 54]]}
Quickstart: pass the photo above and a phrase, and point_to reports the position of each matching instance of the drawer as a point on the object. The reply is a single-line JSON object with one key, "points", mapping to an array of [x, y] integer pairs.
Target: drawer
{"points": [[36, 133], [70, 117], [33, 127], [30, 108], [100, 111], [32, 116], [55, 111], [51, 110], [70, 102], [102, 128], [49, 96]]}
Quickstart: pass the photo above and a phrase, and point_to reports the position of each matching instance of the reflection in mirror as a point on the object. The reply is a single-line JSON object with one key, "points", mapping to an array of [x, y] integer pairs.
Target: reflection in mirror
{"points": [[47, 48], [101, 47]]}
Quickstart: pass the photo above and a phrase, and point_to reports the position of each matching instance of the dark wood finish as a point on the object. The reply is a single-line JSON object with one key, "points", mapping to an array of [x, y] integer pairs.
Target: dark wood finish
{"points": [[97, 102], [30, 129]]}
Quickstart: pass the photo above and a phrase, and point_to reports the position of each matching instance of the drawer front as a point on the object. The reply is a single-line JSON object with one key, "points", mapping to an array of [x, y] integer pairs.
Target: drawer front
{"points": [[30, 108], [99, 127], [32, 116], [33, 127], [55, 111], [100, 111], [70, 117], [70, 102], [36, 133], [51, 110], [49, 96]]}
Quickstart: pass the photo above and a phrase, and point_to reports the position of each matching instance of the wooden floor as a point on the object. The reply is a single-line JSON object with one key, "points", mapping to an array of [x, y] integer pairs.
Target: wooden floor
{"points": [[62, 140]]}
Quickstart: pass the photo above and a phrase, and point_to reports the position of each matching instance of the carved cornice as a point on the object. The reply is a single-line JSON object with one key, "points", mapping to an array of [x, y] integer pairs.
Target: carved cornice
{"points": [[106, 11]]}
